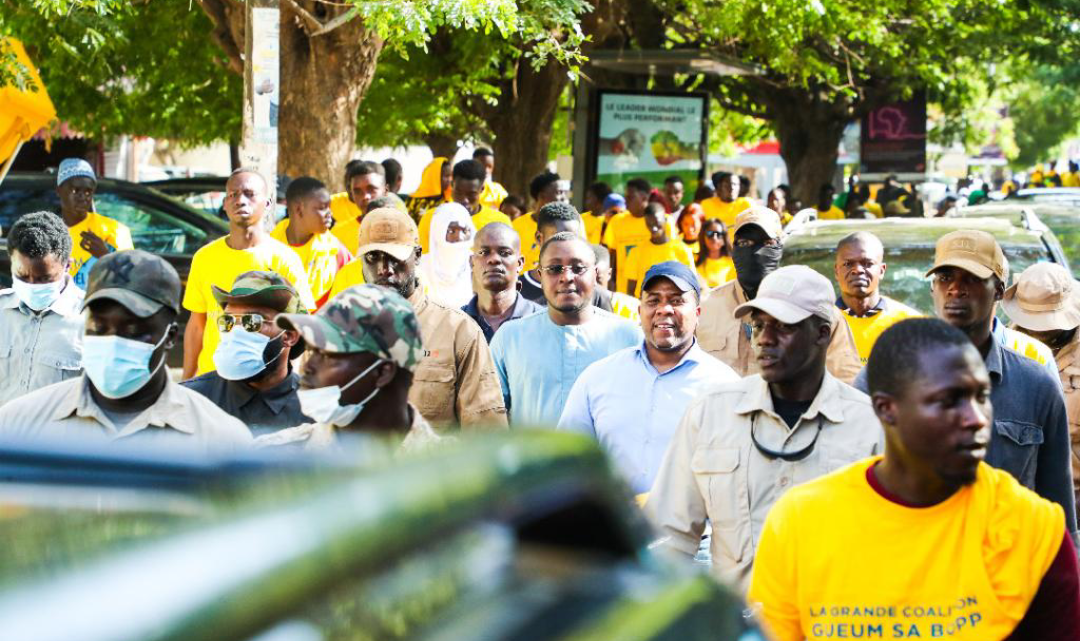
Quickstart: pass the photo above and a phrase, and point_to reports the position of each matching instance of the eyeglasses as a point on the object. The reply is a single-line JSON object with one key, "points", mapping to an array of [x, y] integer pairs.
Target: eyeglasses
{"points": [[715, 233], [790, 457], [250, 322], [558, 270]]}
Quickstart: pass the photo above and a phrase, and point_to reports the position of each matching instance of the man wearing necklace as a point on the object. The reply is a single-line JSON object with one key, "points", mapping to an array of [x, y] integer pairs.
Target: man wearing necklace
{"points": [[742, 445]]}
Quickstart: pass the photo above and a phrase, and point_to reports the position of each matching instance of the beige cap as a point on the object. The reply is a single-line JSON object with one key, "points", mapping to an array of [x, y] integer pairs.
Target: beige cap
{"points": [[761, 216], [791, 295], [389, 230], [1043, 299], [972, 251]]}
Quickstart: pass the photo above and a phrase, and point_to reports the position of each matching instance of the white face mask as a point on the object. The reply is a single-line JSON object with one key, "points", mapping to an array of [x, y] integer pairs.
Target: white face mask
{"points": [[117, 366], [37, 296], [239, 355], [323, 404]]}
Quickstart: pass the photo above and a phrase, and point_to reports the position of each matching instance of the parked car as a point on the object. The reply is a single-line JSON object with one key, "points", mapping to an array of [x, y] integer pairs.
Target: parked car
{"points": [[1061, 217], [158, 223], [1063, 195], [909, 249], [207, 193], [522, 536]]}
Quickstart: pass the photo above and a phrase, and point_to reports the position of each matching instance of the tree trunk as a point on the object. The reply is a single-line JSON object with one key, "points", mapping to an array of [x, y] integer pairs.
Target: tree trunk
{"points": [[323, 80], [809, 132], [522, 124]]}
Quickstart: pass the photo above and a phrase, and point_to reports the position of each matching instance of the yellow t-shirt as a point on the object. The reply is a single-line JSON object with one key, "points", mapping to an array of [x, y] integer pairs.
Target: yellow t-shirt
{"points": [[348, 232], [341, 208], [623, 233], [483, 217], [644, 256], [1070, 179], [115, 234], [626, 306], [833, 213], [347, 276], [874, 209], [525, 226], [715, 272], [1025, 345], [837, 559], [594, 227], [867, 329], [726, 212], [218, 264], [323, 255], [492, 195]]}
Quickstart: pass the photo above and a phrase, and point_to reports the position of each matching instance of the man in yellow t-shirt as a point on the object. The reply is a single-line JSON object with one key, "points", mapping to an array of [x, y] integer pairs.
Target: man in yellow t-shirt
{"points": [[859, 268], [248, 247], [627, 229], [660, 248], [364, 181], [727, 203], [92, 235], [466, 184], [492, 194], [825, 208], [927, 541], [545, 188], [306, 231]]}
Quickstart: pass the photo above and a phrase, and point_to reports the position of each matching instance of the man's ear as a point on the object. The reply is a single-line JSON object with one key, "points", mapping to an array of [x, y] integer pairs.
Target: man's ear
{"points": [[825, 332], [290, 337], [171, 333], [885, 407], [385, 373], [999, 289]]}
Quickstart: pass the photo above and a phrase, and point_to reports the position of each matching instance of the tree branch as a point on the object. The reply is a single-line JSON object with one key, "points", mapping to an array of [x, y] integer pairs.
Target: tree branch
{"points": [[313, 23], [335, 23], [222, 34]]}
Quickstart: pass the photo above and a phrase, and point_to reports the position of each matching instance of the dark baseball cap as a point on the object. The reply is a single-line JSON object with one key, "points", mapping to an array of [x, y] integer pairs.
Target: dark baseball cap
{"points": [[138, 280], [682, 276]]}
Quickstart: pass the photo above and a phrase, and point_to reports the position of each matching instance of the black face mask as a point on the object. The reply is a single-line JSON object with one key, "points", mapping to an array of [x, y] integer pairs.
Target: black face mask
{"points": [[752, 264]]}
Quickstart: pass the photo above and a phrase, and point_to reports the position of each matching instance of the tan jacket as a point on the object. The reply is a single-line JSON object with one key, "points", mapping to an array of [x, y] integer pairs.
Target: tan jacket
{"points": [[712, 470], [455, 383], [320, 436], [724, 336], [1068, 362]]}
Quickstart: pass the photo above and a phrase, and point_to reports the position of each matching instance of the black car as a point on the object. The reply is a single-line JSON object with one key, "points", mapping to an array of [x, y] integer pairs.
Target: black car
{"points": [[158, 223]]}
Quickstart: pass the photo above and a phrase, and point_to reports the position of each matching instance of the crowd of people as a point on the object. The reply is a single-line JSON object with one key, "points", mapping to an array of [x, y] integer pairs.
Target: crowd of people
{"points": [[852, 468]]}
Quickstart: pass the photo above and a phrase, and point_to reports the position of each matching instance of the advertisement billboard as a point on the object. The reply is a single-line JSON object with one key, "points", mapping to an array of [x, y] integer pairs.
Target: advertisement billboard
{"points": [[652, 136], [894, 138]]}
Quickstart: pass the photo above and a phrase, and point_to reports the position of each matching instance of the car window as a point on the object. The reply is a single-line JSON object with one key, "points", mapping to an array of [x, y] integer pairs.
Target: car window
{"points": [[15, 202], [151, 229], [904, 279]]}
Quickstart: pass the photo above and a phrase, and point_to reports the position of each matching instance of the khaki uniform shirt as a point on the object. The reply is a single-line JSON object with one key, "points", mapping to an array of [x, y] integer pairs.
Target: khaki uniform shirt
{"points": [[725, 337], [1068, 362], [712, 470], [39, 348], [320, 436], [66, 412], [455, 382]]}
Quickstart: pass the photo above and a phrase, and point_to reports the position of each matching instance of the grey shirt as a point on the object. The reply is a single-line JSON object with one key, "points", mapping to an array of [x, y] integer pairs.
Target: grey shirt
{"points": [[1030, 435], [39, 348]]}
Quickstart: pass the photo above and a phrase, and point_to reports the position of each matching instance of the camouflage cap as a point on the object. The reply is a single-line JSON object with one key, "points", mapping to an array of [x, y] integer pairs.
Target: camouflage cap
{"points": [[266, 289], [364, 318], [138, 280]]}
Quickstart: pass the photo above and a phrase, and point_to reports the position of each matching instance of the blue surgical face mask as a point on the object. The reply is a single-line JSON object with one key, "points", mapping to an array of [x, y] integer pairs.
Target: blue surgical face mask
{"points": [[239, 355], [37, 296], [118, 367], [324, 403]]}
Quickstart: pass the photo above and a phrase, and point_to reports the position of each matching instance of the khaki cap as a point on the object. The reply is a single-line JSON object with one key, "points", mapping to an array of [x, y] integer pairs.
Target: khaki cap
{"points": [[791, 295], [972, 251], [388, 230], [1043, 299], [761, 216]]}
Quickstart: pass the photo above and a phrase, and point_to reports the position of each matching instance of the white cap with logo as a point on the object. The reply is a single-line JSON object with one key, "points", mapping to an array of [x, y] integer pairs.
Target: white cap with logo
{"points": [[791, 295]]}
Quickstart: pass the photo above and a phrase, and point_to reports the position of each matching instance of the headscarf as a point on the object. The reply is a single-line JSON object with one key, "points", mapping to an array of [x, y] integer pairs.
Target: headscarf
{"points": [[431, 180], [445, 269]]}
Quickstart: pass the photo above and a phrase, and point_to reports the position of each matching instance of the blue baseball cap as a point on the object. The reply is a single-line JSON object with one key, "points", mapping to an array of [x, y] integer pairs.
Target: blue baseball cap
{"points": [[682, 276], [614, 200]]}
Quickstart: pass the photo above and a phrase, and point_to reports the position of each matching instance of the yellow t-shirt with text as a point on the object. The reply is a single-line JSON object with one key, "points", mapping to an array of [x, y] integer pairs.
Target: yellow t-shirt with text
{"points": [[837, 559], [480, 219], [218, 264], [323, 255], [115, 234], [644, 256]]}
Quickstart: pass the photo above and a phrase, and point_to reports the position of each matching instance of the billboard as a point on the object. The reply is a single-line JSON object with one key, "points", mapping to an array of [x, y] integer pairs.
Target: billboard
{"points": [[650, 135], [894, 138]]}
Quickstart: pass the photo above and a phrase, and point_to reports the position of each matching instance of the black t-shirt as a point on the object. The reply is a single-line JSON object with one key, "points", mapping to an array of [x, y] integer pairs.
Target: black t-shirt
{"points": [[790, 411]]}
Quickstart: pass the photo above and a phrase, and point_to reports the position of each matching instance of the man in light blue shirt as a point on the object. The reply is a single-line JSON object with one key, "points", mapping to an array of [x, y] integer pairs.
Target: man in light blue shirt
{"points": [[633, 400], [539, 357]]}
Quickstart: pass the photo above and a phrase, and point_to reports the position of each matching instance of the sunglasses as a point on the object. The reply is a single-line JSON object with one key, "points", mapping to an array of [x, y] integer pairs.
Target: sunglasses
{"points": [[714, 233], [250, 322], [558, 270]]}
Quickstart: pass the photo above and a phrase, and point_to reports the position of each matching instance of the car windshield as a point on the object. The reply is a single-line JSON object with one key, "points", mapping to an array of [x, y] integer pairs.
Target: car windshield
{"points": [[1062, 219]]}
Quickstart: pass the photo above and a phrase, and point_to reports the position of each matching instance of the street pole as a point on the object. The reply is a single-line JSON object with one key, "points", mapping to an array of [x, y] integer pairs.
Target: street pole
{"points": [[262, 86]]}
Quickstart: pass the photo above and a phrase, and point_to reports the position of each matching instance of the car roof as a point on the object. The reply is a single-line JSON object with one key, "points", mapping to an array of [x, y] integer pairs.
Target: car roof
{"points": [[906, 232], [1049, 191]]}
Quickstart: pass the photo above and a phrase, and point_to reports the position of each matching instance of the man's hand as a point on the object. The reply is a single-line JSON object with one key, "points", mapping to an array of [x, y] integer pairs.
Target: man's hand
{"points": [[93, 243]]}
